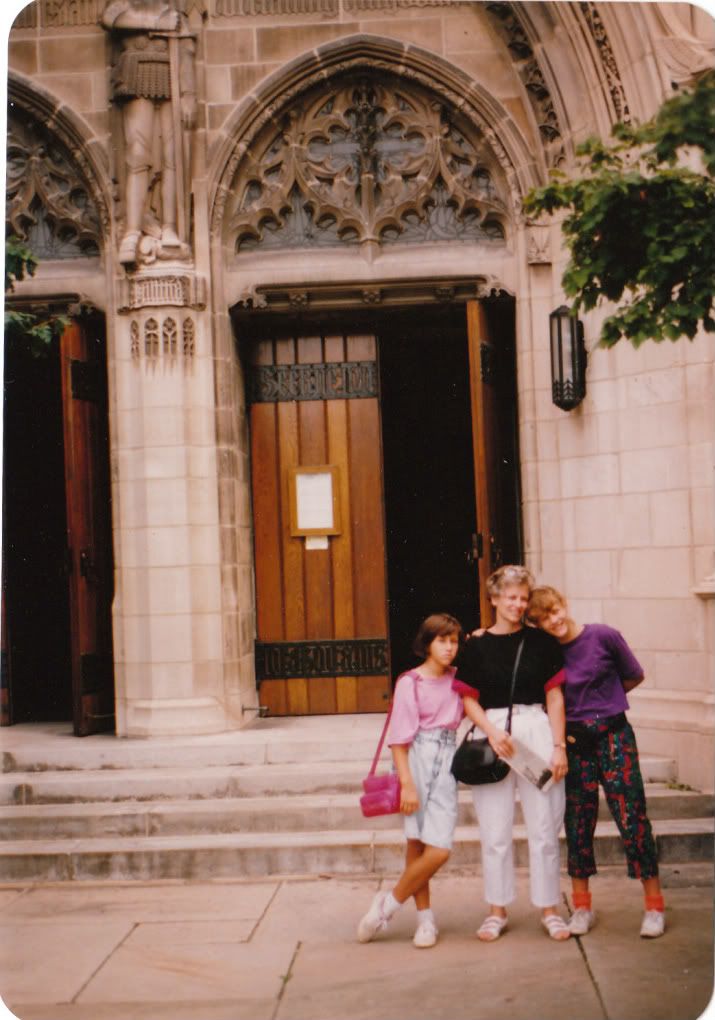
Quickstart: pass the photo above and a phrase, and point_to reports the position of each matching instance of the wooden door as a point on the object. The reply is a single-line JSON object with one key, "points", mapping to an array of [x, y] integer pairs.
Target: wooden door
{"points": [[321, 612], [490, 336], [87, 491]]}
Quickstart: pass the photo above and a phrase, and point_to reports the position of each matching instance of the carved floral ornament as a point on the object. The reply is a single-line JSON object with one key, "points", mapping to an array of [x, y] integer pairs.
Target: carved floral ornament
{"points": [[47, 204], [367, 161]]}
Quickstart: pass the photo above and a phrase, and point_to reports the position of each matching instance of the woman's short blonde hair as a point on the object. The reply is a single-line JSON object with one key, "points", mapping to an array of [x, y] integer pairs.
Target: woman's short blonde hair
{"points": [[541, 601], [510, 573]]}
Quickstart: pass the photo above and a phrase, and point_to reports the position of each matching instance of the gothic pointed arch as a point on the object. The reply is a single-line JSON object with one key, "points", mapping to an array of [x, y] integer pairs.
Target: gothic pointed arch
{"points": [[369, 141], [57, 185]]}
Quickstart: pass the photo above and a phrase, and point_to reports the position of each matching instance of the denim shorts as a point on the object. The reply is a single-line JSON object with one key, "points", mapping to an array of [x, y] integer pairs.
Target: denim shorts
{"points": [[430, 758]]}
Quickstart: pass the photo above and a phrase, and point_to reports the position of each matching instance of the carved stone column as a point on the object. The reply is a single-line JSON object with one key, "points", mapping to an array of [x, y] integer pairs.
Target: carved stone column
{"points": [[167, 612], [168, 629]]}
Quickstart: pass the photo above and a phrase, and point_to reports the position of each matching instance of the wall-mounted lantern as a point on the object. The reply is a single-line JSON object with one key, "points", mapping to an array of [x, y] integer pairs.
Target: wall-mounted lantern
{"points": [[568, 359]]}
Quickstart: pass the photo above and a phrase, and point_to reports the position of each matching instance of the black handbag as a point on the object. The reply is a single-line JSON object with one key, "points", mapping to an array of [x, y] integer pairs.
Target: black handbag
{"points": [[475, 761]]}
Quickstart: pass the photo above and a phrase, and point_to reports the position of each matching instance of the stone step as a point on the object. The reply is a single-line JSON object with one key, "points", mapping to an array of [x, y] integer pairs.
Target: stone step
{"points": [[210, 781], [51, 747], [362, 851], [278, 813]]}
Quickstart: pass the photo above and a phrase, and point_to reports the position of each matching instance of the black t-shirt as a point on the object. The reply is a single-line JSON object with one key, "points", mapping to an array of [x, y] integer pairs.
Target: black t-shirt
{"points": [[486, 663]]}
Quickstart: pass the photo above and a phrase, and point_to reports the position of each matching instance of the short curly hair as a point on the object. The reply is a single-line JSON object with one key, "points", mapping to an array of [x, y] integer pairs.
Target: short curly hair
{"points": [[436, 625], [510, 573], [542, 600]]}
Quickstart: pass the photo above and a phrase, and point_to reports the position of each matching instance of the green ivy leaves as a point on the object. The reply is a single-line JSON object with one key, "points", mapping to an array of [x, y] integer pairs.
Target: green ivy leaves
{"points": [[640, 228]]}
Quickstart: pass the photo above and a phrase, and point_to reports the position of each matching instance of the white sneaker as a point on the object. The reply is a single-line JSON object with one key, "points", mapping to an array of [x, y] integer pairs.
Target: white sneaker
{"points": [[374, 920], [582, 920], [653, 924], [426, 935]]}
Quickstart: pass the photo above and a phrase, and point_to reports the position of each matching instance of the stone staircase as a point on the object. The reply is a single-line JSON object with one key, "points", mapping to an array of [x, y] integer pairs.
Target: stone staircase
{"points": [[277, 798]]}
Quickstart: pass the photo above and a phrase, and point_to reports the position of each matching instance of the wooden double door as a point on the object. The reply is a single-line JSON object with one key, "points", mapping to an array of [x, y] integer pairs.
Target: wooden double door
{"points": [[57, 544], [385, 487]]}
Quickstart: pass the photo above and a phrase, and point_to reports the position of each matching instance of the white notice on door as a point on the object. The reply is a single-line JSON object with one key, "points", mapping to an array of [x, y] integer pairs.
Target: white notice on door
{"points": [[314, 500]]}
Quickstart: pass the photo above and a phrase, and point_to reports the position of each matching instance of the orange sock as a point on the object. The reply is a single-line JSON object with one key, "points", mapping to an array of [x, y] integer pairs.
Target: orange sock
{"points": [[582, 900], [655, 903]]}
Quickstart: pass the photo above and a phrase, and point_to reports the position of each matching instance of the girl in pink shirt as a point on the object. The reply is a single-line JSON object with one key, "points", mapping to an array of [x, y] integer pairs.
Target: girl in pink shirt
{"points": [[425, 716]]}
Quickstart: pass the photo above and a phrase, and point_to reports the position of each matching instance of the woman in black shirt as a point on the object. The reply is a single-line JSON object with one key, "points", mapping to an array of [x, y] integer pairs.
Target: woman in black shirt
{"points": [[484, 676]]}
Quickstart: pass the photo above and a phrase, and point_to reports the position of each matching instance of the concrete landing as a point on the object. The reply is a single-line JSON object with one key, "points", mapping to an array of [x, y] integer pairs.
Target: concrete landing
{"points": [[286, 950]]}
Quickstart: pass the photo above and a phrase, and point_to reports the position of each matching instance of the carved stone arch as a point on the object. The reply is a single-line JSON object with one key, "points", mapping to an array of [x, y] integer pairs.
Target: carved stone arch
{"points": [[75, 177], [605, 44], [374, 56]]}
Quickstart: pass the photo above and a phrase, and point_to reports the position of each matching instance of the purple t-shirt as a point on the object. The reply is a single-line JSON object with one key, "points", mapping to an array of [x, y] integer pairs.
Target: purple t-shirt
{"points": [[597, 662]]}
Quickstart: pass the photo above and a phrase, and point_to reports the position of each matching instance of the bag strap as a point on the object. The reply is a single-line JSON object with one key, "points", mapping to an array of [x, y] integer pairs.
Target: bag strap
{"points": [[513, 684], [375, 760]]}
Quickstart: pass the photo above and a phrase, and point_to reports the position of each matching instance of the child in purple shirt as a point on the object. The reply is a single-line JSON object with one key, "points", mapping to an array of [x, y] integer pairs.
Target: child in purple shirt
{"points": [[601, 747]]}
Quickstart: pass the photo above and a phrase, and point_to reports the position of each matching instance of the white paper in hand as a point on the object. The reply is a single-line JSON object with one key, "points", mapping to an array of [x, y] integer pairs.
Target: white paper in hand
{"points": [[531, 766]]}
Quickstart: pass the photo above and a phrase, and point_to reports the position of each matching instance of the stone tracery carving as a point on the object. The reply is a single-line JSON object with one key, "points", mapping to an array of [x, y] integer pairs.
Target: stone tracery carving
{"points": [[151, 338], [608, 60], [169, 337], [178, 339], [367, 161], [47, 202], [134, 339], [532, 76]]}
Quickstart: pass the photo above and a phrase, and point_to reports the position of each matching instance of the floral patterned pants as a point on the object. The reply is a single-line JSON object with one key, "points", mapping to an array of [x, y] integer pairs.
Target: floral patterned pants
{"points": [[611, 759]]}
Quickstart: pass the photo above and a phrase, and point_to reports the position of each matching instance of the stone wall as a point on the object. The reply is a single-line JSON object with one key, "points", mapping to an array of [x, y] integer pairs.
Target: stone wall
{"points": [[618, 506]]}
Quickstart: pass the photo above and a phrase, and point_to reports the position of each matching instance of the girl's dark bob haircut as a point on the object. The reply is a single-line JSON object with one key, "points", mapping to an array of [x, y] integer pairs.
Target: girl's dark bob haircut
{"points": [[436, 625]]}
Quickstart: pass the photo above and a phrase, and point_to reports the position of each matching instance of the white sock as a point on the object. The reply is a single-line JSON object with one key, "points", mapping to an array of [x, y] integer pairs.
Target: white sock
{"points": [[390, 905], [425, 915]]}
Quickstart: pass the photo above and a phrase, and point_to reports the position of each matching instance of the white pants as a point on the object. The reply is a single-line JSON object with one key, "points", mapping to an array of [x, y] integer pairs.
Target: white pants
{"points": [[543, 814]]}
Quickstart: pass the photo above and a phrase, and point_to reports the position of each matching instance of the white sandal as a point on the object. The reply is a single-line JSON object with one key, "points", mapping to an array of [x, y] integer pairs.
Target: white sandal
{"points": [[556, 927], [491, 928]]}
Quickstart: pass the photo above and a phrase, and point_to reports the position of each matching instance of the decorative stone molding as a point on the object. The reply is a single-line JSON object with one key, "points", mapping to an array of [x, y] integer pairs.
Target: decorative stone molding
{"points": [[188, 336], [367, 159], [538, 244], [526, 63], [378, 58], [162, 339], [158, 290], [53, 121], [612, 75], [326, 8], [395, 5], [47, 203], [135, 349], [68, 13], [74, 13], [253, 8], [401, 293]]}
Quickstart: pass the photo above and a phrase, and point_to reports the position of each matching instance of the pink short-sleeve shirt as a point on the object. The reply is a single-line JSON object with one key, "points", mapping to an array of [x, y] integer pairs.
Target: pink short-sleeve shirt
{"points": [[434, 705]]}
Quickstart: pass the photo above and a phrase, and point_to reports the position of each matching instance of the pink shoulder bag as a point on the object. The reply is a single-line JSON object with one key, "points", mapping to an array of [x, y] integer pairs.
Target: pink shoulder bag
{"points": [[382, 793]]}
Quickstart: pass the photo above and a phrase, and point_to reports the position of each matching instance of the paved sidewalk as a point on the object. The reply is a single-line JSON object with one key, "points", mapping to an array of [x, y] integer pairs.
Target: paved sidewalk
{"points": [[286, 950]]}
